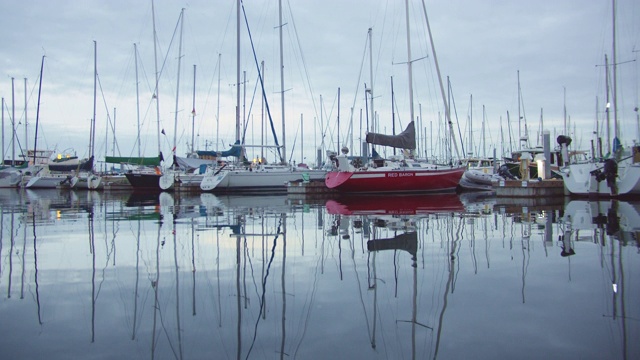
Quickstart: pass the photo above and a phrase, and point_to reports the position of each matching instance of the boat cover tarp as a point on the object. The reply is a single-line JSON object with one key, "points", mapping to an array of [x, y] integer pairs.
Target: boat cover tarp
{"points": [[73, 165], [234, 151], [404, 140], [188, 163], [148, 161]]}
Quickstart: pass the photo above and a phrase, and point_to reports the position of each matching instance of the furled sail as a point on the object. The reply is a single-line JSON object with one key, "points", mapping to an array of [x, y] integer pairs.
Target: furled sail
{"points": [[149, 161], [404, 140]]}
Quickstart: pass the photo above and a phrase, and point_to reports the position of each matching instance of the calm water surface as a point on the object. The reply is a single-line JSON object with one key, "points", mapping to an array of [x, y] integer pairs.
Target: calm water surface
{"points": [[118, 275]]}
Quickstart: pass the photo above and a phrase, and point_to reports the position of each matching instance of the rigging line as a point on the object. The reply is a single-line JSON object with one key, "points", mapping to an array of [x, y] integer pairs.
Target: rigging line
{"points": [[293, 147], [246, 120], [357, 92], [304, 66], [109, 122], [455, 112], [264, 95]]}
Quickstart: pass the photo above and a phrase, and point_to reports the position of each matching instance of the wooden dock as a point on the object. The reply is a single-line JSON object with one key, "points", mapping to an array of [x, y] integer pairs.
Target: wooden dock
{"points": [[529, 189]]}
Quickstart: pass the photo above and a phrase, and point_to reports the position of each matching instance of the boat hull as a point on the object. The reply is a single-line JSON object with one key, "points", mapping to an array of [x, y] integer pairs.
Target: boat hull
{"points": [[395, 181], [579, 180], [10, 178], [52, 181], [147, 182], [259, 181]]}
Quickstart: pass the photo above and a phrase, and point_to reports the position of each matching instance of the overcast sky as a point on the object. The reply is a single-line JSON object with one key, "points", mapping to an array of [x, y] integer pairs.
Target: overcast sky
{"points": [[557, 46]]}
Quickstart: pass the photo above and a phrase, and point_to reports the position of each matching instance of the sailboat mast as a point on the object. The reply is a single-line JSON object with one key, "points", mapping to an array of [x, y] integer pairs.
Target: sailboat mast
{"points": [[520, 116], [113, 145], [95, 92], [238, 74], [393, 114], [435, 60], [26, 123], [470, 151], [409, 62], [35, 143], [284, 139], [615, 77], [13, 124], [135, 51], [175, 121], [193, 111], [155, 56], [370, 34], [218, 105], [3, 131]]}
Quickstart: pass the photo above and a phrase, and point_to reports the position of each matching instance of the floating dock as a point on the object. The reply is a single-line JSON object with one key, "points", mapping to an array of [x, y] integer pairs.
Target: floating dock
{"points": [[530, 189]]}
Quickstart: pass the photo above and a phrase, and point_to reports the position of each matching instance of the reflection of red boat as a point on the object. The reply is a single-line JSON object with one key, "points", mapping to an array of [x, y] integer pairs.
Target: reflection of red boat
{"points": [[394, 204]]}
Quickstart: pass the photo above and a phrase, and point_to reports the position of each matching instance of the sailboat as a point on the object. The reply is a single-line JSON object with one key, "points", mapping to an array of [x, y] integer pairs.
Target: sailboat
{"points": [[258, 177], [616, 176], [399, 174]]}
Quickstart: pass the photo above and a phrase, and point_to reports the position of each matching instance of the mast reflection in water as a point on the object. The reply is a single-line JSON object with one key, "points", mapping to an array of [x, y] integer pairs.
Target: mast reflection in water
{"points": [[111, 275]]}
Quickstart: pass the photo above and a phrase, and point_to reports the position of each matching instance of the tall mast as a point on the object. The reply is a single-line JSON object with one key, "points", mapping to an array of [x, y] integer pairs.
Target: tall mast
{"points": [[409, 62], [3, 155], [615, 77], [175, 122], [435, 60], [13, 124], [608, 109], [218, 107], [238, 73], [482, 138], [284, 139], [262, 124], [26, 123], [520, 117], [470, 151], [564, 108], [35, 143], [95, 81], [135, 51], [370, 34], [113, 148], [156, 93], [193, 111]]}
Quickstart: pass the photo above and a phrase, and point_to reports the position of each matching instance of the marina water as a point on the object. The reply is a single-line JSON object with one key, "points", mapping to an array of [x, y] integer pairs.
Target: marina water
{"points": [[166, 276]]}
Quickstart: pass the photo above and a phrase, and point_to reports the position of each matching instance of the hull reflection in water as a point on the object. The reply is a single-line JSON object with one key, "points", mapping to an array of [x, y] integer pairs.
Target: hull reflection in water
{"points": [[395, 204], [207, 276]]}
